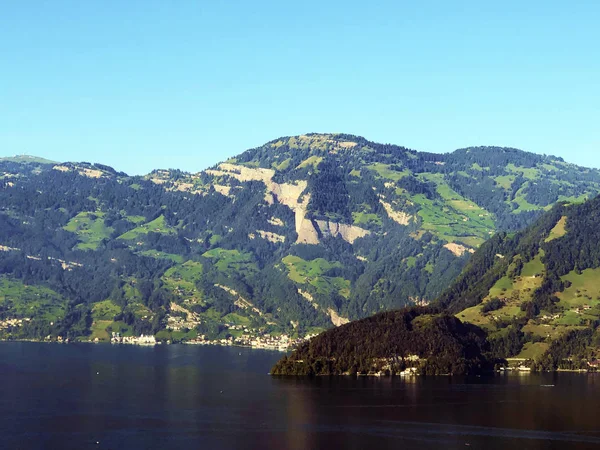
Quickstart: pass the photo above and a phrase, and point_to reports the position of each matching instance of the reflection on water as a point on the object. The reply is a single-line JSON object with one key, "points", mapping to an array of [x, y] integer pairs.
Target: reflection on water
{"points": [[98, 396]]}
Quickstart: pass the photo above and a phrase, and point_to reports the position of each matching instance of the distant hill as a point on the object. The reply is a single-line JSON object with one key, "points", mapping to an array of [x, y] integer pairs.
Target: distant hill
{"points": [[537, 292], [24, 159], [295, 236]]}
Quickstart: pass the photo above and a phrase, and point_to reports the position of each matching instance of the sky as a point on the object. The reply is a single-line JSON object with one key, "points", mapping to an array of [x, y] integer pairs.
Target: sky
{"points": [[143, 84]]}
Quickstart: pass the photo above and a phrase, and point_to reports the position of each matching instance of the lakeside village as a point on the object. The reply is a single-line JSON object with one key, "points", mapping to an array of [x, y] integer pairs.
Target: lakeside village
{"points": [[246, 339]]}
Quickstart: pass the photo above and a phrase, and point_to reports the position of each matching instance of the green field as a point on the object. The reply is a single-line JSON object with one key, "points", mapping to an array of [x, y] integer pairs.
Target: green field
{"points": [[182, 278], [513, 293], [311, 272], [505, 181], [90, 229], [282, 165], [313, 161], [232, 261], [236, 319], [176, 336], [105, 310], [584, 290], [529, 173], [452, 218], [523, 204], [134, 219], [361, 218], [162, 255], [18, 300], [384, 171], [157, 225], [533, 350], [99, 332], [449, 225]]}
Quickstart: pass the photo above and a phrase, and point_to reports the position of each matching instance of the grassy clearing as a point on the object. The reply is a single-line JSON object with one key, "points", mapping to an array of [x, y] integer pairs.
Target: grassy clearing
{"points": [[447, 224], [312, 272], [454, 218], [313, 161], [232, 261], [236, 319], [545, 331], [534, 268], [475, 316], [523, 204], [384, 171], [132, 294], [584, 290], [18, 300], [559, 230], [478, 216], [533, 350], [512, 291], [105, 310], [99, 332], [282, 165], [162, 255], [120, 327], [572, 318], [182, 279], [157, 225], [176, 336], [573, 200], [188, 272], [361, 218], [505, 181], [503, 286], [527, 172], [134, 219], [90, 229]]}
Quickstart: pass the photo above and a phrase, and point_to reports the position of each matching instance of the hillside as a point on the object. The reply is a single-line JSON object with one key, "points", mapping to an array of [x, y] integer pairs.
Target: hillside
{"points": [[394, 342], [292, 237], [537, 292]]}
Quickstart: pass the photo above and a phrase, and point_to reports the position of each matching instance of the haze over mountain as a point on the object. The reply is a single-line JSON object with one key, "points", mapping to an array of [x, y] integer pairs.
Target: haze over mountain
{"points": [[295, 236]]}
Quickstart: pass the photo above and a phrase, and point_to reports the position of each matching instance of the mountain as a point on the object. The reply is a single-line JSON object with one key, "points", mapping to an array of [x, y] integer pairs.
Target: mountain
{"points": [[536, 292], [291, 237]]}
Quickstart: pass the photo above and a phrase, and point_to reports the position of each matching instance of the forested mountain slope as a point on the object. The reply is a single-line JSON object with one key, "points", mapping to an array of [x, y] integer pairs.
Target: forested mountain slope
{"points": [[294, 236], [537, 292]]}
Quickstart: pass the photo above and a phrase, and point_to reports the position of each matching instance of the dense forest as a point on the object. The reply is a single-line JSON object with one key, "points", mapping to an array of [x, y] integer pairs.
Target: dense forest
{"points": [[431, 342]]}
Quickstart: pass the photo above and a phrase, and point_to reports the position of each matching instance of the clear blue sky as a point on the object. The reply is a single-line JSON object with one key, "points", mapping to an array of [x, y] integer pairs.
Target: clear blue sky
{"points": [[157, 84]]}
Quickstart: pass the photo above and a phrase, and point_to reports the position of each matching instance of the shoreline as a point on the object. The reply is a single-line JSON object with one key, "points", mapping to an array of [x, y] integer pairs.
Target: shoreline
{"points": [[216, 344]]}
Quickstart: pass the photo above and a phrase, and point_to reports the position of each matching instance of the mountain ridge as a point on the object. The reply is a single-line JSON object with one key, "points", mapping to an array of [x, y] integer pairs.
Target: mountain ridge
{"points": [[311, 231]]}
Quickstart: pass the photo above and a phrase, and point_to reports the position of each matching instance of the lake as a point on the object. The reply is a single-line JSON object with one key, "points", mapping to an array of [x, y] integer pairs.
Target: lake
{"points": [[84, 396]]}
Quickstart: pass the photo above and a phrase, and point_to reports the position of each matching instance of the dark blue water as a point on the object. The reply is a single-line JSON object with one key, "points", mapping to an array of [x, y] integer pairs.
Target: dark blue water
{"points": [[120, 397]]}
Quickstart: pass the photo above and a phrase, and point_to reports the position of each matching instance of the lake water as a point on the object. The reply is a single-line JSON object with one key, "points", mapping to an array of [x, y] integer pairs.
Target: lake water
{"points": [[82, 396]]}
